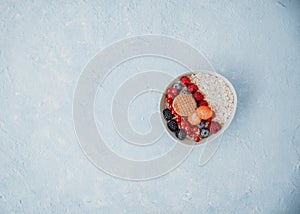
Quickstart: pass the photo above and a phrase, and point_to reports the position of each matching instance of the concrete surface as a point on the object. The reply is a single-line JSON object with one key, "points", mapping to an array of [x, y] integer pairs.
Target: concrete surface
{"points": [[43, 49]]}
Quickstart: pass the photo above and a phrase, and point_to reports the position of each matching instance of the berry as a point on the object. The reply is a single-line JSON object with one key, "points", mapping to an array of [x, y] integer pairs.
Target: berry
{"points": [[183, 92], [214, 127], [196, 138], [170, 106], [174, 91], [195, 129], [202, 124], [187, 128], [185, 80], [169, 100], [172, 125], [202, 103], [169, 95], [204, 132], [198, 96], [204, 112], [180, 134], [169, 90], [178, 120], [178, 86], [182, 123], [167, 114], [173, 111], [192, 88]]}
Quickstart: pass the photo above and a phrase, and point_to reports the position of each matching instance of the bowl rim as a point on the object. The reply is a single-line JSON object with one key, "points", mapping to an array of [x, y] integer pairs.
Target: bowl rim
{"points": [[225, 125]]}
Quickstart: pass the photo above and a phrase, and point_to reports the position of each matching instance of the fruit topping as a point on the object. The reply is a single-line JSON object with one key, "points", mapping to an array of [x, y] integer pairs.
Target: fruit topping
{"points": [[172, 125], [185, 80], [204, 112], [167, 114], [192, 88], [196, 138], [202, 103], [198, 96], [204, 133], [214, 127], [178, 86], [180, 134]]}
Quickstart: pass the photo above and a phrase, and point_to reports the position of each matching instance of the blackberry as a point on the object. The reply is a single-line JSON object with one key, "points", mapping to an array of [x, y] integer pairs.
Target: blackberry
{"points": [[167, 114], [204, 133], [180, 134], [202, 124], [172, 125]]}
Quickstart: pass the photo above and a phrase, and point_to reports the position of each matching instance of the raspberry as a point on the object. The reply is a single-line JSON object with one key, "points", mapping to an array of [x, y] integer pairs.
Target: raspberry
{"points": [[214, 127]]}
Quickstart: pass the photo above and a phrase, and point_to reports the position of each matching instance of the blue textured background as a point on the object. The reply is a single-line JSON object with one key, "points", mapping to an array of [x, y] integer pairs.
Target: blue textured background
{"points": [[43, 49]]}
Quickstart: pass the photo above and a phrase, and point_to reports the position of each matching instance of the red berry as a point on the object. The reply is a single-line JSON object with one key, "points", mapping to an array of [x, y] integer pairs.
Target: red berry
{"points": [[195, 129], [185, 80], [174, 91], [202, 103], [187, 128], [178, 119], [170, 106], [188, 132], [169, 90], [169, 95], [169, 100], [172, 111], [196, 138], [182, 124], [192, 88], [198, 96]]}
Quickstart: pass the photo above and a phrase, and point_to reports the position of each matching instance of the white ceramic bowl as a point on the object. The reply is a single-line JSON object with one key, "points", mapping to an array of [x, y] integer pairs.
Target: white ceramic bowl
{"points": [[224, 126]]}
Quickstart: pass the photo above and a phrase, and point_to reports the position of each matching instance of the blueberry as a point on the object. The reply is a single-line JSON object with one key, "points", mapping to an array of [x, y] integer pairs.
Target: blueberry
{"points": [[183, 92], [167, 114], [180, 134], [204, 133], [178, 86], [172, 125], [202, 124]]}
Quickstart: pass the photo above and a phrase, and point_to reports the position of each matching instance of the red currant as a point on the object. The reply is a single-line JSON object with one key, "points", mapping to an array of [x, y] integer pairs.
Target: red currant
{"points": [[169, 100], [174, 91], [196, 138], [195, 129]]}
